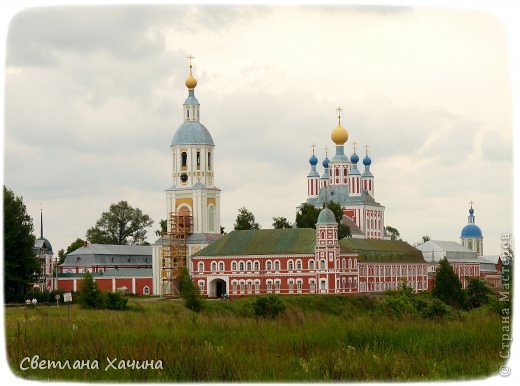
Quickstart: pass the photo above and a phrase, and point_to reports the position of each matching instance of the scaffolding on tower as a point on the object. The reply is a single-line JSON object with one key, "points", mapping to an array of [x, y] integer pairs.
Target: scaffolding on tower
{"points": [[174, 252]]}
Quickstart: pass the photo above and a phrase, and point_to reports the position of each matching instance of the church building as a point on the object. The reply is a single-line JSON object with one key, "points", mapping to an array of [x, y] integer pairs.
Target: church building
{"points": [[343, 183]]}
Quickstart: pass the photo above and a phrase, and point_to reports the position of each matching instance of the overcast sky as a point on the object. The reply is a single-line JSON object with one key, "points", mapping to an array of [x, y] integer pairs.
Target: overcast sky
{"points": [[94, 96]]}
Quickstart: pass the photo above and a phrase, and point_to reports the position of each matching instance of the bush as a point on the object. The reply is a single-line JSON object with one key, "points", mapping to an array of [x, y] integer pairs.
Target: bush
{"points": [[190, 292], [397, 306], [116, 301], [268, 306], [477, 293], [89, 294], [435, 309]]}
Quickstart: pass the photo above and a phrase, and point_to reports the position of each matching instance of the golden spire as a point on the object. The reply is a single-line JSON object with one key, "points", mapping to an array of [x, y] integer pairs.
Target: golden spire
{"points": [[326, 151], [366, 149], [313, 146], [339, 135], [190, 82], [354, 145]]}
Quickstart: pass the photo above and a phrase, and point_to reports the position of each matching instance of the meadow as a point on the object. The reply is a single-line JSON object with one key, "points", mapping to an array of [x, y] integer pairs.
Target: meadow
{"points": [[317, 338]]}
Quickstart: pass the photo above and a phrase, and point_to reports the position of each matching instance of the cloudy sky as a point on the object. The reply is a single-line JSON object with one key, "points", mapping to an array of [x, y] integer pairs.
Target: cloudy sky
{"points": [[94, 95]]}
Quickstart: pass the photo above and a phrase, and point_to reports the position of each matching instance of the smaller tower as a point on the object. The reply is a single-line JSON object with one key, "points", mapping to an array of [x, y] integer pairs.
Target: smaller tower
{"points": [[324, 180], [367, 178], [355, 175], [327, 250], [313, 178], [471, 235]]}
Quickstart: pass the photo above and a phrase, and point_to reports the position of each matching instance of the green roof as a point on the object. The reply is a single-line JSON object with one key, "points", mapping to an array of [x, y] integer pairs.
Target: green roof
{"points": [[384, 251], [263, 242]]}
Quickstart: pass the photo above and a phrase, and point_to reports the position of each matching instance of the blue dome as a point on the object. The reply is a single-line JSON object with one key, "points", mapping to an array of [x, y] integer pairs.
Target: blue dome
{"points": [[192, 133], [326, 162], [313, 160], [354, 158], [471, 230], [326, 216], [367, 161]]}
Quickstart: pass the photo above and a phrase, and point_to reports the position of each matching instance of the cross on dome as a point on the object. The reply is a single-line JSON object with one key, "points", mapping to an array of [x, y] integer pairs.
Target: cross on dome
{"points": [[190, 57], [354, 144], [366, 149], [339, 110]]}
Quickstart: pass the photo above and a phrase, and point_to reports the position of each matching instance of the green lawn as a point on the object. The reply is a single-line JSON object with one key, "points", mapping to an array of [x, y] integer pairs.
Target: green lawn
{"points": [[318, 338]]}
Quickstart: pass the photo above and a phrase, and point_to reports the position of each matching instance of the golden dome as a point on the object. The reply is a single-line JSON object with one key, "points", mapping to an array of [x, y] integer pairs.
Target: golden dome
{"points": [[339, 135], [190, 82]]}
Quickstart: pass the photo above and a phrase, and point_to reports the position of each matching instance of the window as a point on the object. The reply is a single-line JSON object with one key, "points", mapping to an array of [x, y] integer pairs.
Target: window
{"points": [[242, 286], [290, 265], [213, 266], [184, 159], [201, 266], [209, 160], [343, 263], [201, 286], [257, 266], [249, 286], [249, 266], [221, 266], [323, 285], [269, 285], [257, 285], [349, 263], [234, 285], [234, 266], [146, 290], [313, 285], [268, 265], [311, 265], [198, 160], [277, 285], [290, 284], [241, 265], [299, 283], [276, 265], [322, 264], [298, 265]]}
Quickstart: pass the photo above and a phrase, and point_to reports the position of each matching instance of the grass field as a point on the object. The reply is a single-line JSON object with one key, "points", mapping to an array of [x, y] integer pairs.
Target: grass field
{"points": [[318, 338]]}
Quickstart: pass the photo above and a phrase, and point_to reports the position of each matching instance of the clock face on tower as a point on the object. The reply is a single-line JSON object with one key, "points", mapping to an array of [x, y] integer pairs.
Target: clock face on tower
{"points": [[184, 177]]}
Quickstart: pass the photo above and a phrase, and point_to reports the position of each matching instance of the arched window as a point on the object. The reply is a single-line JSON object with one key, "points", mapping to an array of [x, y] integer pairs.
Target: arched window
{"points": [[209, 160], [299, 284], [269, 284], [201, 286], [146, 290], [349, 263], [277, 284], [241, 265], [322, 264], [290, 265], [249, 266], [201, 266], [213, 266], [312, 285], [276, 265], [290, 284], [249, 286], [234, 285], [268, 265], [311, 265], [298, 265], [257, 266], [343, 263], [198, 160], [234, 266], [221, 266], [184, 160]]}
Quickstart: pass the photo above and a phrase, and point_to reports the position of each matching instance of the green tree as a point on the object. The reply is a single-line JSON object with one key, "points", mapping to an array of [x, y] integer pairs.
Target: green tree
{"points": [[280, 223], [190, 292], [269, 306], [307, 216], [394, 233], [245, 220], [89, 294], [447, 285], [121, 225], [477, 292], [425, 239], [163, 228], [20, 264]]}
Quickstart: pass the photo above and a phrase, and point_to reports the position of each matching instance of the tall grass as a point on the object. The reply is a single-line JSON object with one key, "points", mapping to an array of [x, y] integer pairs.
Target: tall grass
{"points": [[318, 338]]}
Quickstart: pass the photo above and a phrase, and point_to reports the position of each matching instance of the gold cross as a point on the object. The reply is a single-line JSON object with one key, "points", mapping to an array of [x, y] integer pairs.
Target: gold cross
{"points": [[355, 144], [313, 146], [471, 203], [190, 57], [326, 151], [339, 110], [366, 149]]}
